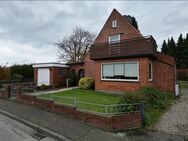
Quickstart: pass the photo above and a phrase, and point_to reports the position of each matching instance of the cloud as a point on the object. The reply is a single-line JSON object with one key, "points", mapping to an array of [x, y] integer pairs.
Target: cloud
{"points": [[28, 29]]}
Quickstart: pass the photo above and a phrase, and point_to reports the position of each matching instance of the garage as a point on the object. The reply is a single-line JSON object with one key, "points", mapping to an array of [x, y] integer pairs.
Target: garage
{"points": [[52, 74], [43, 76]]}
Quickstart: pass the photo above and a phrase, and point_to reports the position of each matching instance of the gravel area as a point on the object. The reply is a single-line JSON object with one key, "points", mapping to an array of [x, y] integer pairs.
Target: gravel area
{"points": [[175, 120]]}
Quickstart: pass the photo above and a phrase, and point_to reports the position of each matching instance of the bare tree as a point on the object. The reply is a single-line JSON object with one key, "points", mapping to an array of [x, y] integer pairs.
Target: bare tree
{"points": [[75, 47]]}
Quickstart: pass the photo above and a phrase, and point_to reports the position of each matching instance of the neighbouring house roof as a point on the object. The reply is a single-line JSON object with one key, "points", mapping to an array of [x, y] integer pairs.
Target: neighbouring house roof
{"points": [[50, 64]]}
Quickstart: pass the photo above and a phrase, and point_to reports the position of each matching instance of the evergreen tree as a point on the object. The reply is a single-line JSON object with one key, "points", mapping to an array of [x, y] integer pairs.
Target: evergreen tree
{"points": [[179, 51], [172, 47], [169, 52], [134, 22], [164, 48], [185, 52]]}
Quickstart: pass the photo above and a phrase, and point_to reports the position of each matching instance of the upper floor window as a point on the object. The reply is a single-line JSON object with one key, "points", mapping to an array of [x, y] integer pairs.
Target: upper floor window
{"points": [[150, 72], [114, 39], [114, 23]]}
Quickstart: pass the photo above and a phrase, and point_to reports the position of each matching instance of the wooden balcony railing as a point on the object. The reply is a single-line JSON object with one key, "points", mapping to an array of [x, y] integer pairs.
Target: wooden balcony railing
{"points": [[126, 48]]}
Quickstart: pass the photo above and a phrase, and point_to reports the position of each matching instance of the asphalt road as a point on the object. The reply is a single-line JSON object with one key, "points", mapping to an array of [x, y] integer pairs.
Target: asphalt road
{"points": [[11, 130]]}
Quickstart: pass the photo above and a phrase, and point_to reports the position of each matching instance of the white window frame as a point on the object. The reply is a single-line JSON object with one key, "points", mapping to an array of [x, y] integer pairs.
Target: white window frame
{"points": [[114, 23], [114, 42], [128, 80], [150, 79]]}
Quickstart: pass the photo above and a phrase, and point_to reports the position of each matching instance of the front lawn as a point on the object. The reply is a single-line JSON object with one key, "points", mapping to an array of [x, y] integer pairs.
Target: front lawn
{"points": [[89, 96], [88, 100]]}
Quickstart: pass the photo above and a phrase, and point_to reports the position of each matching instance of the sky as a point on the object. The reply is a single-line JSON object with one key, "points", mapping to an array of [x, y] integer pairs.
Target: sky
{"points": [[28, 30]]}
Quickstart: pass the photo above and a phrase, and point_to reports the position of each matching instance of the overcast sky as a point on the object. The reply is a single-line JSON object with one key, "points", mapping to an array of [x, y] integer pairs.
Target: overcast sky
{"points": [[29, 29]]}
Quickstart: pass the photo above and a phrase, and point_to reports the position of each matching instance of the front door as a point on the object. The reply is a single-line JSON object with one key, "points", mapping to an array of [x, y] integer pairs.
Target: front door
{"points": [[81, 73]]}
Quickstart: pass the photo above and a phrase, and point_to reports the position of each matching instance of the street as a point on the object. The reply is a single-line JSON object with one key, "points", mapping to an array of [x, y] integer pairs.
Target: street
{"points": [[11, 130]]}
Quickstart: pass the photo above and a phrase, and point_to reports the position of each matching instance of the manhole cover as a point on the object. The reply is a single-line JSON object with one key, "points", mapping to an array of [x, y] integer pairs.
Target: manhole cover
{"points": [[39, 136]]}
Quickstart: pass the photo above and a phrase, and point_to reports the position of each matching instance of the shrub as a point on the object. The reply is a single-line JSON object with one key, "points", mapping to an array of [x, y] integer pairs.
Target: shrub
{"points": [[86, 83], [131, 97], [73, 79], [43, 87], [154, 97], [155, 102]]}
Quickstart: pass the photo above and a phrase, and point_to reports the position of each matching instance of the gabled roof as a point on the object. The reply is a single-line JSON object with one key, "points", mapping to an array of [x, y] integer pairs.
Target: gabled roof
{"points": [[124, 27]]}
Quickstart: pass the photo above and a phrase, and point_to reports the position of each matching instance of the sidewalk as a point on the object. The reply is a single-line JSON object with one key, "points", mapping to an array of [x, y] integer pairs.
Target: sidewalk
{"points": [[55, 91], [73, 129]]}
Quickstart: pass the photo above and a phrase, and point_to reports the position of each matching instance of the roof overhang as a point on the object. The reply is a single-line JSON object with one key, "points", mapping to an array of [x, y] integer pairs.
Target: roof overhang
{"points": [[47, 65]]}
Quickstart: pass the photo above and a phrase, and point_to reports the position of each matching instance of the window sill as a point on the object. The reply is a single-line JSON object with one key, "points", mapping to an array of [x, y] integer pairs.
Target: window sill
{"points": [[120, 80]]}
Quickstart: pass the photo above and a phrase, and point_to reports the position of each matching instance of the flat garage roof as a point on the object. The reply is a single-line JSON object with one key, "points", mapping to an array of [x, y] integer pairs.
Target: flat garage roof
{"points": [[52, 64]]}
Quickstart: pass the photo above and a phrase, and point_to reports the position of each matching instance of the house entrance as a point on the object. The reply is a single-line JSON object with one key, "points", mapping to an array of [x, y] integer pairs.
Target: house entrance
{"points": [[81, 73]]}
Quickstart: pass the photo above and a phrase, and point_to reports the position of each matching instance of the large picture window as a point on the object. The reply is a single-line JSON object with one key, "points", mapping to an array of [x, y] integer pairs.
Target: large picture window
{"points": [[120, 71]]}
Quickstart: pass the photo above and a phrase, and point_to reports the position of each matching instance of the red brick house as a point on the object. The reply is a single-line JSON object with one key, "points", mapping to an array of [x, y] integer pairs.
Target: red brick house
{"points": [[122, 59]]}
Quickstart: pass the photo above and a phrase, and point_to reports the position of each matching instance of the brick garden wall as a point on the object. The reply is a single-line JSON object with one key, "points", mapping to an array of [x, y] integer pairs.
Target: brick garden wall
{"points": [[110, 123], [5, 92], [165, 73]]}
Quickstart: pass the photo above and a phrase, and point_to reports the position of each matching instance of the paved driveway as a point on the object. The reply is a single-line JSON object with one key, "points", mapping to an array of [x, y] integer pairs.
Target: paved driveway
{"points": [[175, 120]]}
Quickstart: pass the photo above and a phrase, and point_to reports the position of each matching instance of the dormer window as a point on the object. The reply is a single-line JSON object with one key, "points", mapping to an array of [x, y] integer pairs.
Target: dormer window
{"points": [[114, 38], [114, 23]]}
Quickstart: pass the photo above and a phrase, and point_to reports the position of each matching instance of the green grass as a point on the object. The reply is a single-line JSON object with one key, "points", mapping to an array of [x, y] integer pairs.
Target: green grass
{"points": [[90, 96], [83, 98], [183, 84]]}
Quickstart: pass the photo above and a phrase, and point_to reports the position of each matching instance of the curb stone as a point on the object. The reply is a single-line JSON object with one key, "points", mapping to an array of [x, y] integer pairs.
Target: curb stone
{"points": [[36, 127]]}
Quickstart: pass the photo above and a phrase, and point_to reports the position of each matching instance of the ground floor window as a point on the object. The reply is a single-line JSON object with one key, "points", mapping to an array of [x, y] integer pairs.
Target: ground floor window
{"points": [[126, 71], [60, 72]]}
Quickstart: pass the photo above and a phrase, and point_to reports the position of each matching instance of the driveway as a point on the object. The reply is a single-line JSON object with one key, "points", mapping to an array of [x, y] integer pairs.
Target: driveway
{"points": [[175, 120]]}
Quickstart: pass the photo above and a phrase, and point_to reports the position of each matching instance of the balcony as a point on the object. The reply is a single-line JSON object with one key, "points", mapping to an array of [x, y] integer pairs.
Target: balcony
{"points": [[135, 47]]}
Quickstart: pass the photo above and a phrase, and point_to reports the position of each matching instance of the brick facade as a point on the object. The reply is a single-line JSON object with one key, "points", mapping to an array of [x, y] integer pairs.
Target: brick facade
{"points": [[124, 28], [163, 66], [87, 66], [163, 75], [122, 86]]}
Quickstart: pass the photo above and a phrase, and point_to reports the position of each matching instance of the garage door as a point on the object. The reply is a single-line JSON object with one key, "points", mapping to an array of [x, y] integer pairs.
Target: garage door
{"points": [[43, 76]]}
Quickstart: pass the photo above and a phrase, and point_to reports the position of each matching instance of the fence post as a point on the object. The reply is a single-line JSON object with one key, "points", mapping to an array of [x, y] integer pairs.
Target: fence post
{"points": [[75, 103], [106, 110], [53, 97], [142, 112]]}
